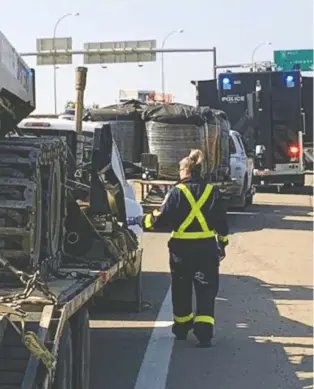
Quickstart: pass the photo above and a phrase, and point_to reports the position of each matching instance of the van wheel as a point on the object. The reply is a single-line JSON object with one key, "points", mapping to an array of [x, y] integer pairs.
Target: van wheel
{"points": [[249, 200], [63, 378]]}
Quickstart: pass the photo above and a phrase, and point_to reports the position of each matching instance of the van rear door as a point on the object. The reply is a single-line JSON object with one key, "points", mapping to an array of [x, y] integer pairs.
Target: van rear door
{"points": [[286, 115]]}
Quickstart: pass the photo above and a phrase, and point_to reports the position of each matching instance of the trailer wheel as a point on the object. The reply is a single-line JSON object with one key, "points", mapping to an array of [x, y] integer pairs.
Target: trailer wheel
{"points": [[81, 349], [63, 378]]}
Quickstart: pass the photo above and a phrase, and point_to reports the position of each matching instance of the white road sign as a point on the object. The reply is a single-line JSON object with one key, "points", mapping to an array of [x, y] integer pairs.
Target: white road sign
{"points": [[119, 52], [54, 46]]}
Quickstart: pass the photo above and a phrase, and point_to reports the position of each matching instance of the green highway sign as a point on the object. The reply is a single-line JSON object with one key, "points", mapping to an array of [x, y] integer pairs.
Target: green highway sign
{"points": [[286, 59]]}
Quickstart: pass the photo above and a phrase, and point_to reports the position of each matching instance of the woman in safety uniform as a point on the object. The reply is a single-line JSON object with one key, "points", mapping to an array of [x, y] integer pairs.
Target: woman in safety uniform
{"points": [[195, 212]]}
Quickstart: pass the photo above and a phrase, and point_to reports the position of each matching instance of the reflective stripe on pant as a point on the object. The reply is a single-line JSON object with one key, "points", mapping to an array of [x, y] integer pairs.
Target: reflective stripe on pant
{"points": [[202, 271], [204, 319], [183, 319]]}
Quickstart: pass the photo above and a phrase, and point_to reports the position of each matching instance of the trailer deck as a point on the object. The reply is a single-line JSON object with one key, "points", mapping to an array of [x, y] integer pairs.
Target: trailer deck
{"points": [[27, 324]]}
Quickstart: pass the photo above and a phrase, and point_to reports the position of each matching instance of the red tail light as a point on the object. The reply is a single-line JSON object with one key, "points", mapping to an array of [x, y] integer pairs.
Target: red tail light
{"points": [[294, 151]]}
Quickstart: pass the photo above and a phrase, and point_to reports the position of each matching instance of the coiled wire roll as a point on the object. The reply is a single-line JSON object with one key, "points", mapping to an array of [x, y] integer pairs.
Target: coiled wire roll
{"points": [[172, 142]]}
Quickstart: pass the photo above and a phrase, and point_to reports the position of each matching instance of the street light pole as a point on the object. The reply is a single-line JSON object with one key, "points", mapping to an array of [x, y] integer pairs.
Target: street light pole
{"points": [[54, 58], [254, 51], [162, 60]]}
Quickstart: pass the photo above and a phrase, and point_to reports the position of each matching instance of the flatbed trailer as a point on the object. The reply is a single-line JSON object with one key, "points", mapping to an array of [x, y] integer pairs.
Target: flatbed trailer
{"points": [[46, 333]]}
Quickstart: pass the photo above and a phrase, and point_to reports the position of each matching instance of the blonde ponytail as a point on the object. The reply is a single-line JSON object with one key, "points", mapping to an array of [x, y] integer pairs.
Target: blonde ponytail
{"points": [[194, 159], [196, 156]]}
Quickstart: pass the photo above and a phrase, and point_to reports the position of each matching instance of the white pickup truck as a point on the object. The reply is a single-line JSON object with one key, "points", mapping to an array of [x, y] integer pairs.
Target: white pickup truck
{"points": [[241, 167]]}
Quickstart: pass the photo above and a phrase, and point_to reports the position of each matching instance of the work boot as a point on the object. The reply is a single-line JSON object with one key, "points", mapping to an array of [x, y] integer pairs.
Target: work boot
{"points": [[204, 344], [181, 331], [204, 334]]}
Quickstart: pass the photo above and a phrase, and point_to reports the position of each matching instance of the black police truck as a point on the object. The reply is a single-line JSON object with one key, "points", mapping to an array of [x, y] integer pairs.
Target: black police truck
{"points": [[266, 108]]}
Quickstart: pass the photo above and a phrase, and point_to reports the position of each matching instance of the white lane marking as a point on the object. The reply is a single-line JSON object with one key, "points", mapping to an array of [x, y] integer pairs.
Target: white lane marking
{"points": [[128, 324], [154, 369]]}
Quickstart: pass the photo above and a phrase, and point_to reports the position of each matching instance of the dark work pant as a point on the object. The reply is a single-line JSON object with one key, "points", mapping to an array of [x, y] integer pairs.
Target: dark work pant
{"points": [[202, 271]]}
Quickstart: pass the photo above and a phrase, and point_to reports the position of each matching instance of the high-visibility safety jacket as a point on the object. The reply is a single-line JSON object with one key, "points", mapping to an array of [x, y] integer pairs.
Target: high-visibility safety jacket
{"points": [[194, 210], [195, 213]]}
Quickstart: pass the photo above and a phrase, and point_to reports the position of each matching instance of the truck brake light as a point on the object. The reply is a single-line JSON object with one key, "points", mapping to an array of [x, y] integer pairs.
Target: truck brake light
{"points": [[294, 151]]}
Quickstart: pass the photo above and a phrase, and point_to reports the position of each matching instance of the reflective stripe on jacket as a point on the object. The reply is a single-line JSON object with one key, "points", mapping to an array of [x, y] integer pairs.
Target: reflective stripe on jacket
{"points": [[176, 212], [195, 213]]}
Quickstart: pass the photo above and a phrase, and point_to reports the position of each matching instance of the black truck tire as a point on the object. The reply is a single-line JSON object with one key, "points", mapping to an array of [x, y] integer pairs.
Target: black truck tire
{"points": [[301, 182], [123, 294], [241, 201], [81, 349], [249, 199], [64, 376]]}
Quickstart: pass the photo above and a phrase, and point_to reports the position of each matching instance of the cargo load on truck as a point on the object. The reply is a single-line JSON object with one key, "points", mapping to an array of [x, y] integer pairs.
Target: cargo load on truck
{"points": [[174, 129], [126, 125]]}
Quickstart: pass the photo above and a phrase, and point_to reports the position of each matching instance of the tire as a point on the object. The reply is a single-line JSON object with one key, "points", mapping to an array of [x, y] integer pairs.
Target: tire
{"points": [[123, 294], [249, 200], [301, 182], [241, 203], [81, 349], [64, 371]]}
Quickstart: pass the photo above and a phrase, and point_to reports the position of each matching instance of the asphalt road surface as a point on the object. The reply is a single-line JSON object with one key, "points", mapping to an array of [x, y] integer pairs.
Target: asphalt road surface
{"points": [[264, 312]]}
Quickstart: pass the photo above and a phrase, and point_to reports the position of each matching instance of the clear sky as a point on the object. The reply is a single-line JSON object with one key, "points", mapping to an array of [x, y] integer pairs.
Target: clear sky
{"points": [[234, 27]]}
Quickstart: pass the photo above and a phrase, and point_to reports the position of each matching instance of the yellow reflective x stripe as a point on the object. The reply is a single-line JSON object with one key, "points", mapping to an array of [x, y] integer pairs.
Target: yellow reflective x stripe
{"points": [[196, 207], [195, 213], [183, 319], [148, 221], [204, 319], [223, 238]]}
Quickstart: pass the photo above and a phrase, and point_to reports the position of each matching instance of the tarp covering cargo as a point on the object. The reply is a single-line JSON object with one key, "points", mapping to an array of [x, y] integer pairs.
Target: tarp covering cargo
{"points": [[174, 129], [174, 114], [130, 110], [127, 127]]}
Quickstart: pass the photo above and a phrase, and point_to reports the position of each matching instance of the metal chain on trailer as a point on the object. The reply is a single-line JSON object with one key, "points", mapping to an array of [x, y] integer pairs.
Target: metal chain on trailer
{"points": [[9, 305], [31, 282]]}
